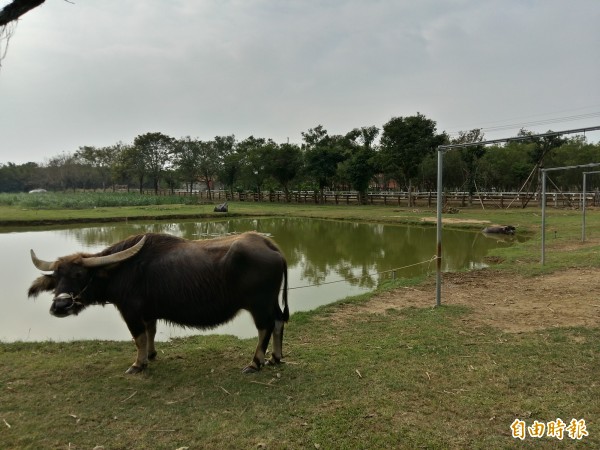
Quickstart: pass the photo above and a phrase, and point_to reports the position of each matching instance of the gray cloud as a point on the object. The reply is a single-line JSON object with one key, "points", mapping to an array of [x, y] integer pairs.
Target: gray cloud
{"points": [[94, 73]]}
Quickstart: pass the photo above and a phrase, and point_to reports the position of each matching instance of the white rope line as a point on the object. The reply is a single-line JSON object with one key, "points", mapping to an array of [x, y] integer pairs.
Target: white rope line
{"points": [[428, 261]]}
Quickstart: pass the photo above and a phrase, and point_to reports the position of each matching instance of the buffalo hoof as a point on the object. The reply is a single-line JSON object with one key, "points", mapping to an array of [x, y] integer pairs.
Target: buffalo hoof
{"points": [[273, 361], [135, 369], [250, 369]]}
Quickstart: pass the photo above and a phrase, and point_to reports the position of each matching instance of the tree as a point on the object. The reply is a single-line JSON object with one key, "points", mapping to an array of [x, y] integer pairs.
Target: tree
{"points": [[470, 157], [573, 152], [542, 147], [539, 150], [453, 171], [66, 171], [155, 150], [405, 142], [101, 159], [284, 164], [118, 172], [19, 178], [131, 164], [171, 178], [366, 135], [255, 154], [359, 167], [358, 170], [322, 153], [186, 153], [314, 136], [210, 163], [229, 169], [504, 168]]}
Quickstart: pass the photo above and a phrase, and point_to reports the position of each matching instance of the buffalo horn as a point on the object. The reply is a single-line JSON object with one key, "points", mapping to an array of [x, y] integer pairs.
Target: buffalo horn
{"points": [[44, 266], [97, 261]]}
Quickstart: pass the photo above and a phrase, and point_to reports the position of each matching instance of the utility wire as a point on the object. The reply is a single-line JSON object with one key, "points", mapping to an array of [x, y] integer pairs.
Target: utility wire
{"points": [[428, 261], [526, 124]]}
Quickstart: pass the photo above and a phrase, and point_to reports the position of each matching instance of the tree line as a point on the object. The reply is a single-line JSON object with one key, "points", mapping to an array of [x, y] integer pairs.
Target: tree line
{"points": [[401, 155]]}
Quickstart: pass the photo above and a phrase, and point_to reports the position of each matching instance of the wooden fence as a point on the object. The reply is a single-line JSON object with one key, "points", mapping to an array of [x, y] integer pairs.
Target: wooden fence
{"points": [[498, 200]]}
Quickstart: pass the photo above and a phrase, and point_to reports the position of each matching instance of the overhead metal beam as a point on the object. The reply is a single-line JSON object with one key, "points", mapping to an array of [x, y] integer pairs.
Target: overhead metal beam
{"points": [[518, 138]]}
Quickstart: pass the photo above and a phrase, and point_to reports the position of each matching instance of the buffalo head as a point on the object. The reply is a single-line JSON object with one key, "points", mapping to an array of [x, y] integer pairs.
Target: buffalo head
{"points": [[72, 276]]}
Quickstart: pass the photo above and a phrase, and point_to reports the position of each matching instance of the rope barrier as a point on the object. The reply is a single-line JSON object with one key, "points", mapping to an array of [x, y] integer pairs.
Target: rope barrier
{"points": [[428, 261]]}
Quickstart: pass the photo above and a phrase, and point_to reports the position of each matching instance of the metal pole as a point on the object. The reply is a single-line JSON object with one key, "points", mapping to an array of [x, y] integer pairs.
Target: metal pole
{"points": [[438, 278], [543, 216], [583, 209]]}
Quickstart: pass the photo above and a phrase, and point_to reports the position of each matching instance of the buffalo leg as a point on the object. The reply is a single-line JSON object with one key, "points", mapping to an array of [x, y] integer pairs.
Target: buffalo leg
{"points": [[151, 333], [277, 353], [140, 336], [264, 335], [141, 343]]}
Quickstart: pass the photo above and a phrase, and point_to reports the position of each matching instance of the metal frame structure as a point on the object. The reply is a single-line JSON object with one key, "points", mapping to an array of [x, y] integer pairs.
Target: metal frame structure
{"points": [[544, 171], [444, 148], [585, 174]]}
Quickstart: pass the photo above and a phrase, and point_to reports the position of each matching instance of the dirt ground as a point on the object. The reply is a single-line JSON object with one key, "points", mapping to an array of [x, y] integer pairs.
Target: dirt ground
{"points": [[505, 301]]}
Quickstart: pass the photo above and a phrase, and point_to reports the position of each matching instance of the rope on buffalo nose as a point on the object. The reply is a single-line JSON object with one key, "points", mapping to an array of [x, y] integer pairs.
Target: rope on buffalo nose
{"points": [[427, 261], [75, 298], [74, 302], [69, 296]]}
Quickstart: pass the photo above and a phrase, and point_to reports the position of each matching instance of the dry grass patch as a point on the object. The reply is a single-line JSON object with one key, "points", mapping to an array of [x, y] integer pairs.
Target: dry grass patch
{"points": [[507, 301]]}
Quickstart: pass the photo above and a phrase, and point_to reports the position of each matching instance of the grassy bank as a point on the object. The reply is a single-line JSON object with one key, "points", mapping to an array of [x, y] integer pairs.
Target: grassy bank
{"points": [[414, 378], [51, 208]]}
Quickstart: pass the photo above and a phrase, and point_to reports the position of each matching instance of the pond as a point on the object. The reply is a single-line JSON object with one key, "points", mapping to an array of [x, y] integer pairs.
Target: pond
{"points": [[327, 260]]}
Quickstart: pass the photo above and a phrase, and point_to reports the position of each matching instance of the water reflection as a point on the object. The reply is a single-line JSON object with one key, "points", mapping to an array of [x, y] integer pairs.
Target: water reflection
{"points": [[318, 252]]}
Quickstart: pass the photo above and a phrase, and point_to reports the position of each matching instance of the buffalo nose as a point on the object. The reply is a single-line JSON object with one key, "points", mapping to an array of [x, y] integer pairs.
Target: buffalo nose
{"points": [[62, 297]]}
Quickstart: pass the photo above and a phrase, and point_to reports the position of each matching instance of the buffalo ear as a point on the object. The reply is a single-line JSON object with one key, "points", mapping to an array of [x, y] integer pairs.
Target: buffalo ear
{"points": [[41, 284]]}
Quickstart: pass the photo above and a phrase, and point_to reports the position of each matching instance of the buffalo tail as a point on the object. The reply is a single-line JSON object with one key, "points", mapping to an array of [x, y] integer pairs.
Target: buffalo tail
{"points": [[286, 309]]}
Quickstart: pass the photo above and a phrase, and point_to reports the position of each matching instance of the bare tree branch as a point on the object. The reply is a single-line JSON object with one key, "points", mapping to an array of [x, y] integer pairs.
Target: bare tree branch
{"points": [[16, 9]]}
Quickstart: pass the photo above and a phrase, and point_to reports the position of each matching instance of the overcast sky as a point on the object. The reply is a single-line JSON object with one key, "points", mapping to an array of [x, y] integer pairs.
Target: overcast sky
{"points": [[99, 72]]}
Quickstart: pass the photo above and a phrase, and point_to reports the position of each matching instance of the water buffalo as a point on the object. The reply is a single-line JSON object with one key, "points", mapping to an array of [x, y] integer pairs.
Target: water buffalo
{"points": [[500, 229], [221, 208], [198, 284]]}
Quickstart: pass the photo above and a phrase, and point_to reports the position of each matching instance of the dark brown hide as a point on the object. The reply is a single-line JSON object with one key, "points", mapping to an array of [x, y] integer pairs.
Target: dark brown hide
{"points": [[500, 229], [198, 284]]}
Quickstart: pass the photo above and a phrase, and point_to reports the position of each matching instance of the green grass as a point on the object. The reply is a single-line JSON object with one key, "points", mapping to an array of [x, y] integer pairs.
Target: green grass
{"points": [[83, 200], [415, 378], [410, 379]]}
